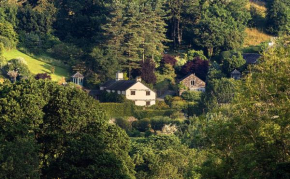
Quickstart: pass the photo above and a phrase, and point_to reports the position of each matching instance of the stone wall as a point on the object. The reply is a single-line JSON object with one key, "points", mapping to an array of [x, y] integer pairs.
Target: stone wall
{"points": [[198, 83]]}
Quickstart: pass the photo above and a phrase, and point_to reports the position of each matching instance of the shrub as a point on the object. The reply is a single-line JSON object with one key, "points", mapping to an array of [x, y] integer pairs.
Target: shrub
{"points": [[112, 97], [141, 114], [142, 125], [191, 95], [18, 65], [179, 105], [42, 76], [124, 124], [6, 42]]}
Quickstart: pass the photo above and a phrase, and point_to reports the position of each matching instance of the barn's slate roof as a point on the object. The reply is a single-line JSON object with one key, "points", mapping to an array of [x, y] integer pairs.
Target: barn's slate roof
{"points": [[251, 58]]}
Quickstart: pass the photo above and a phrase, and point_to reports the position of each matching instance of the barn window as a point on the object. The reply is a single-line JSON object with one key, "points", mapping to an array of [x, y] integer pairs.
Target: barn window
{"points": [[192, 83]]}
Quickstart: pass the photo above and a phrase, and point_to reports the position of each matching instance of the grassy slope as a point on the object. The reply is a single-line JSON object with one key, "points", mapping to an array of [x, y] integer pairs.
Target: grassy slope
{"points": [[36, 66], [255, 36]]}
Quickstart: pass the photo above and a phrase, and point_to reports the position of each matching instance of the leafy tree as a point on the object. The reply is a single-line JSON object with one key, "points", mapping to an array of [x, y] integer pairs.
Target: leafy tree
{"points": [[162, 157], [236, 61], [80, 22], [7, 30], [19, 158], [136, 31], [103, 63], [37, 19], [167, 72], [8, 12], [221, 25], [278, 16], [247, 138], [61, 120]]}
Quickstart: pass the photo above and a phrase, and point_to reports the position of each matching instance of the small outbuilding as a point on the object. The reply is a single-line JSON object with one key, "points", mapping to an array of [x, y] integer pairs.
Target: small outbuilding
{"points": [[236, 74], [78, 79]]}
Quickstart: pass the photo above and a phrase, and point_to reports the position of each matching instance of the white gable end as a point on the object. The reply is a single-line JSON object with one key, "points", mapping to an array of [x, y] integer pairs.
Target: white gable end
{"points": [[141, 94]]}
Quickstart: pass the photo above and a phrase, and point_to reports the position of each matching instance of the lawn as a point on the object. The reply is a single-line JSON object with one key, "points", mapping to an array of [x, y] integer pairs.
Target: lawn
{"points": [[36, 66]]}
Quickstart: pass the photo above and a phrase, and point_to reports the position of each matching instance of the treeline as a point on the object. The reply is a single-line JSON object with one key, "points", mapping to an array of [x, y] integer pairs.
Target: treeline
{"points": [[53, 131], [100, 37]]}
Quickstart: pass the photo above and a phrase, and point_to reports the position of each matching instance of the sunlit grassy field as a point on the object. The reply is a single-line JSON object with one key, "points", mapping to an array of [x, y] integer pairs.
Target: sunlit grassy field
{"points": [[36, 66]]}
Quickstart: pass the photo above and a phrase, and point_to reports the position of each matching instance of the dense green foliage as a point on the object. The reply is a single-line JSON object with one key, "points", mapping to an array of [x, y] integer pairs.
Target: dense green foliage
{"points": [[278, 16], [54, 129], [235, 129]]}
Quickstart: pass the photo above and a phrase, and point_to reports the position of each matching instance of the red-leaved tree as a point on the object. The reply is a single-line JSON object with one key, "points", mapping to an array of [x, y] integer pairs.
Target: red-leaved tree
{"points": [[168, 59], [42, 76], [197, 66], [147, 71]]}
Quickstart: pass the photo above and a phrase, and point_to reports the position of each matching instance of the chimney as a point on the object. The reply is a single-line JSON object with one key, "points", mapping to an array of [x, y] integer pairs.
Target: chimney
{"points": [[138, 79], [119, 76]]}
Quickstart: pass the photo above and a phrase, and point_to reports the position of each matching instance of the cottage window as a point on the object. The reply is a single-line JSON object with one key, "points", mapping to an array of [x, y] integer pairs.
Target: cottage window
{"points": [[147, 93], [133, 92], [147, 103], [192, 83]]}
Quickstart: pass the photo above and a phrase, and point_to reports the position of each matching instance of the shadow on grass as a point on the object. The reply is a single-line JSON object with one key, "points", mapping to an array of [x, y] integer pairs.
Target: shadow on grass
{"points": [[58, 71]]}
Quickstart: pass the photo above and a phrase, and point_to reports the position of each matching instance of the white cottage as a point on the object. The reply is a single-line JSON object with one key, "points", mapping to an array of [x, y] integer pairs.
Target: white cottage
{"points": [[134, 90]]}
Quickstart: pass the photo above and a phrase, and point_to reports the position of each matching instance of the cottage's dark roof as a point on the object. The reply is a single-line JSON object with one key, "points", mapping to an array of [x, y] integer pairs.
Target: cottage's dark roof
{"points": [[121, 85], [108, 83], [251, 58], [235, 72], [78, 75]]}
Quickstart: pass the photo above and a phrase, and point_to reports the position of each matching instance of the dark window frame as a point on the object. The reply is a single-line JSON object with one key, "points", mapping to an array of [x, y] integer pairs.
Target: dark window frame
{"points": [[133, 93], [192, 82], [148, 93]]}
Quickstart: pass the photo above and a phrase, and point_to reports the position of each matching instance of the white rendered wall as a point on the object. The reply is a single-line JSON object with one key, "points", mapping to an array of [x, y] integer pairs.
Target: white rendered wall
{"points": [[140, 96]]}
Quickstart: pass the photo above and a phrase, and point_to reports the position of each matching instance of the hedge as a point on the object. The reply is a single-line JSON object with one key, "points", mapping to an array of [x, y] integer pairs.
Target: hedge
{"points": [[114, 110], [141, 114], [118, 109]]}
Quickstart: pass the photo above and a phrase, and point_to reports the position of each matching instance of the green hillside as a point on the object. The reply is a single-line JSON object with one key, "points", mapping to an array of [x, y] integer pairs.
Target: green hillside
{"points": [[37, 66]]}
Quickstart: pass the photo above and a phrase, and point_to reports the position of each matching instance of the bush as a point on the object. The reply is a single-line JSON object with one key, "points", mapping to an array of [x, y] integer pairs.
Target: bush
{"points": [[112, 97], [124, 124], [191, 95], [42, 76], [6, 42], [142, 125], [141, 114], [18, 64]]}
